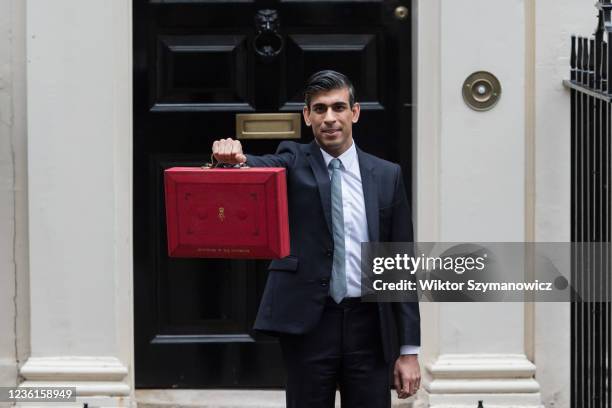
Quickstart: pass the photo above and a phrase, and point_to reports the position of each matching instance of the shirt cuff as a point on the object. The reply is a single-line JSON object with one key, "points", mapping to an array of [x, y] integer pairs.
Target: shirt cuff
{"points": [[409, 349]]}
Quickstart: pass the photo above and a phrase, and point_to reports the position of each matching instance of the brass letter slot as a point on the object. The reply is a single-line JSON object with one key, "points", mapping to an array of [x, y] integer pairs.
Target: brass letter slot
{"points": [[268, 126]]}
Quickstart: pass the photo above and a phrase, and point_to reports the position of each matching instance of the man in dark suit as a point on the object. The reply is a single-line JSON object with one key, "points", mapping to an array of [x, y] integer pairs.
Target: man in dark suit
{"points": [[339, 196]]}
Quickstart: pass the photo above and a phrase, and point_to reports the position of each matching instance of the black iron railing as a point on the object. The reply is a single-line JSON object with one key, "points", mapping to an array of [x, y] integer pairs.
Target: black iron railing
{"points": [[591, 97]]}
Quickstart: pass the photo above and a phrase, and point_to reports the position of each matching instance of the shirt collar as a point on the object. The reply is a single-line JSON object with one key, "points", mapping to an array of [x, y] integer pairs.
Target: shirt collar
{"points": [[347, 158]]}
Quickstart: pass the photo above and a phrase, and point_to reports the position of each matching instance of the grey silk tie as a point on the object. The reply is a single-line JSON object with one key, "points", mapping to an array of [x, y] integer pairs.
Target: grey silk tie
{"points": [[337, 289]]}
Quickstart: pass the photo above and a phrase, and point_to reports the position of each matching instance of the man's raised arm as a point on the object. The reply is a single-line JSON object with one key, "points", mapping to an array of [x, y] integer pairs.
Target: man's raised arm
{"points": [[230, 151]]}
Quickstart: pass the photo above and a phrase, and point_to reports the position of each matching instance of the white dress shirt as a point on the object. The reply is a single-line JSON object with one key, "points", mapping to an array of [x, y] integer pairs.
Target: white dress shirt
{"points": [[355, 223]]}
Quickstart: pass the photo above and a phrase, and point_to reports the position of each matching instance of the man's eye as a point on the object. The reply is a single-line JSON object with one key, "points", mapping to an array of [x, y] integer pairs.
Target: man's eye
{"points": [[339, 108], [319, 110]]}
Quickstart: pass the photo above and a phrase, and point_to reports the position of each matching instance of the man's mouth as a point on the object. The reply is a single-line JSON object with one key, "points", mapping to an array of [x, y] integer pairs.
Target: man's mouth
{"points": [[330, 131]]}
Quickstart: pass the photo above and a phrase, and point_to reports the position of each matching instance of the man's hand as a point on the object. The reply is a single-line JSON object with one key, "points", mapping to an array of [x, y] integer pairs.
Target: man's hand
{"points": [[228, 151], [407, 375]]}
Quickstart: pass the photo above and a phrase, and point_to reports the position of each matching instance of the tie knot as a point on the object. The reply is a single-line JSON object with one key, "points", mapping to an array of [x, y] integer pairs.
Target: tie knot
{"points": [[335, 164]]}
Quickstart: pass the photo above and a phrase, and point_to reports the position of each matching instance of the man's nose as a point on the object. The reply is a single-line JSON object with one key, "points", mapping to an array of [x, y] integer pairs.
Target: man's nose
{"points": [[329, 115]]}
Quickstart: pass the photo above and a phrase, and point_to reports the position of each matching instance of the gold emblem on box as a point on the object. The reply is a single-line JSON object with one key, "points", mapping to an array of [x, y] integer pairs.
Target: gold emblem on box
{"points": [[221, 214]]}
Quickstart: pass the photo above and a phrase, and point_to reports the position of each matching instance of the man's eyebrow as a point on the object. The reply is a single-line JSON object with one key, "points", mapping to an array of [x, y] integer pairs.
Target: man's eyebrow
{"points": [[320, 104]]}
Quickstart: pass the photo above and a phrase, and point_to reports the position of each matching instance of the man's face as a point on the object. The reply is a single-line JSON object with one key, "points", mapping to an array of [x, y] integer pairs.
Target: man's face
{"points": [[332, 118]]}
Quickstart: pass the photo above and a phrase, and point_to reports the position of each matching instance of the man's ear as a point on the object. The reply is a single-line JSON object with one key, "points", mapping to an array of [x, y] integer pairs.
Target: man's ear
{"points": [[306, 113], [356, 110]]}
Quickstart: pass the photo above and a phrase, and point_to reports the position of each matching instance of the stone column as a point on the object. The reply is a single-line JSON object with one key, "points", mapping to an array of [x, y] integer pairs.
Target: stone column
{"points": [[79, 108], [473, 184]]}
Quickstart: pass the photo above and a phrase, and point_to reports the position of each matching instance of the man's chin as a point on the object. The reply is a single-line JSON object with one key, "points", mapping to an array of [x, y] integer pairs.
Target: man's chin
{"points": [[331, 143]]}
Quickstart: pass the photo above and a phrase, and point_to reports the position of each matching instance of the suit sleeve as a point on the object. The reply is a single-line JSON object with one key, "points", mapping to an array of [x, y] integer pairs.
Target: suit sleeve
{"points": [[407, 314], [284, 157]]}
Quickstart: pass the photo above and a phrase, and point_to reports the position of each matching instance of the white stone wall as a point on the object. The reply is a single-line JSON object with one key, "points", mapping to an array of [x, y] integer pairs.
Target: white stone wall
{"points": [[14, 300]]}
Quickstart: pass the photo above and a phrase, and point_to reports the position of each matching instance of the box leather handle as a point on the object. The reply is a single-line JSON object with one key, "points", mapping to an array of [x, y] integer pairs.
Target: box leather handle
{"points": [[215, 164]]}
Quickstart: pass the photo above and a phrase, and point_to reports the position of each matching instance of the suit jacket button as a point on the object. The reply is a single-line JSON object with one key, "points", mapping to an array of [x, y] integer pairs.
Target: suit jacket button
{"points": [[324, 282], [329, 253]]}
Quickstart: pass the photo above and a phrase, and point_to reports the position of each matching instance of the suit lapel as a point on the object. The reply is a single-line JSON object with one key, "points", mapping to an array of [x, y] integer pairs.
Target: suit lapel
{"points": [[368, 182], [370, 194], [315, 158]]}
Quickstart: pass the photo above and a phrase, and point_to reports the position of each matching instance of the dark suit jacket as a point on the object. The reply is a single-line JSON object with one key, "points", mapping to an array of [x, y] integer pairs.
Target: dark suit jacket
{"points": [[298, 285]]}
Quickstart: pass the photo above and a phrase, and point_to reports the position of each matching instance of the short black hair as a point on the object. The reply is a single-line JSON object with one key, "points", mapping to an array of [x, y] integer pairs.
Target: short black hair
{"points": [[327, 80]]}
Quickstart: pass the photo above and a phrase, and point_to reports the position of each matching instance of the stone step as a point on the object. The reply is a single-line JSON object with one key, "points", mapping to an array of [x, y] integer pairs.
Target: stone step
{"points": [[168, 398]]}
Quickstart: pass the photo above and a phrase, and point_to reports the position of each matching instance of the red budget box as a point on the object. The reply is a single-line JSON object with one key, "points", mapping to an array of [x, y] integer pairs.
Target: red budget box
{"points": [[226, 213]]}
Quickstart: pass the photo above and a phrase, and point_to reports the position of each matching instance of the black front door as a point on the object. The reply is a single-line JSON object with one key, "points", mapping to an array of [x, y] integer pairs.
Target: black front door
{"points": [[197, 64]]}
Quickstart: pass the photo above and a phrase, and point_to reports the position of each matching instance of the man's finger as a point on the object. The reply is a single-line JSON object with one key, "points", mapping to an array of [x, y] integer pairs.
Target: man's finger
{"points": [[407, 383], [235, 148], [398, 385], [238, 155], [411, 384], [227, 149]]}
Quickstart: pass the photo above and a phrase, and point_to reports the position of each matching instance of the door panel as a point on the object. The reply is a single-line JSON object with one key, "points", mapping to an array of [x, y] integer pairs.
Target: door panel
{"points": [[195, 68], [355, 55], [180, 66]]}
